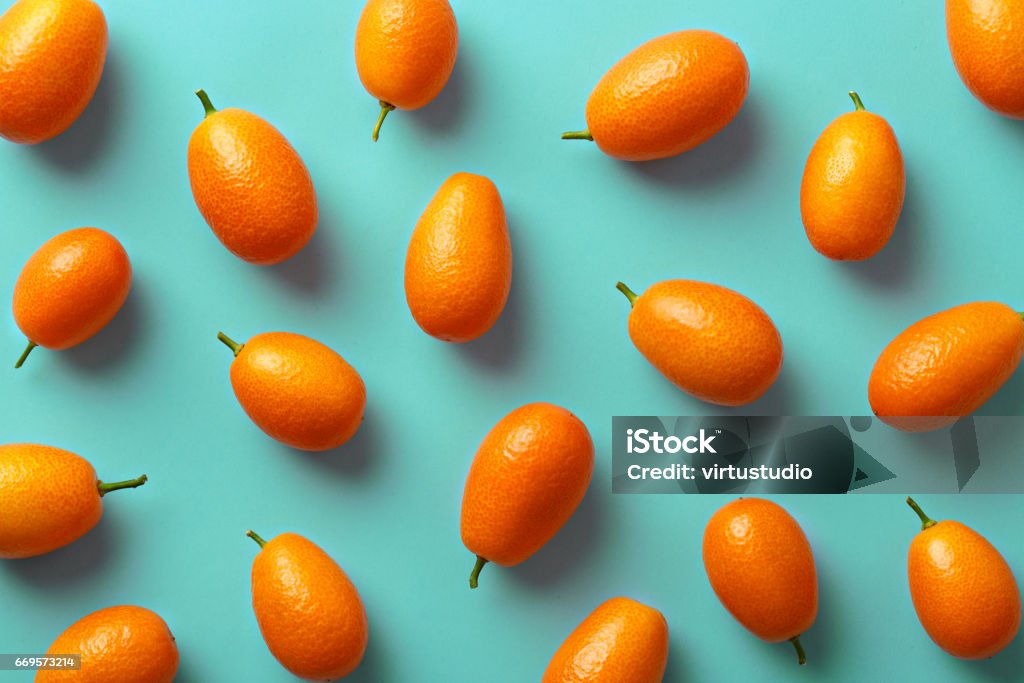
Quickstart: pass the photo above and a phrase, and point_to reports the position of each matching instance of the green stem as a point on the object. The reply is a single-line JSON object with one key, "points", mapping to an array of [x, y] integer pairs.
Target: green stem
{"points": [[800, 654], [856, 101], [385, 109], [118, 485], [926, 521], [24, 354], [578, 135], [207, 104], [630, 294], [480, 562], [1021, 316], [256, 537], [235, 347]]}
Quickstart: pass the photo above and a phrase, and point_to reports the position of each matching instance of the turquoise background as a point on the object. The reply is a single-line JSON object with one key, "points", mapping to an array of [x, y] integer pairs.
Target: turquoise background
{"points": [[151, 393]]}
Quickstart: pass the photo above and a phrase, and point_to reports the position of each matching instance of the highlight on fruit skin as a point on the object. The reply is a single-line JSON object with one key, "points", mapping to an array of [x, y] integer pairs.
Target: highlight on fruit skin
{"points": [[946, 366], [50, 498], [122, 643], [734, 352], [405, 52], [853, 186], [621, 640], [667, 96], [458, 266], [528, 477], [964, 592], [761, 567], [250, 185], [52, 54], [299, 391], [986, 42], [70, 289], [309, 612]]}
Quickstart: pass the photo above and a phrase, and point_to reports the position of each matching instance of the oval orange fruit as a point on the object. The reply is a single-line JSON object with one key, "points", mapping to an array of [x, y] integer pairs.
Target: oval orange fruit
{"points": [[48, 498], [527, 478], [118, 645], [51, 60], [251, 186], [946, 366], [405, 52], [710, 341], [310, 614], [621, 640], [761, 567], [667, 96], [986, 39], [297, 390], [458, 269], [70, 289], [853, 186], [963, 590]]}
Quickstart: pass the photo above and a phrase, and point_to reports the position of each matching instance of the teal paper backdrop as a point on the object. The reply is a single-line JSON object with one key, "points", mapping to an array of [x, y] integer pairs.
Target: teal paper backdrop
{"points": [[151, 393]]}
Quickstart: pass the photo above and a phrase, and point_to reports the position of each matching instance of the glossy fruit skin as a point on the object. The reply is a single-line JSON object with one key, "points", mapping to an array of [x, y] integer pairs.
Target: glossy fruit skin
{"points": [[252, 187], [986, 39], [668, 96], [71, 288], [310, 614], [458, 269], [963, 591], [299, 391], [710, 341], [50, 498], [761, 567], [621, 640], [853, 187], [51, 58], [406, 49], [124, 644], [528, 477], [946, 366]]}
